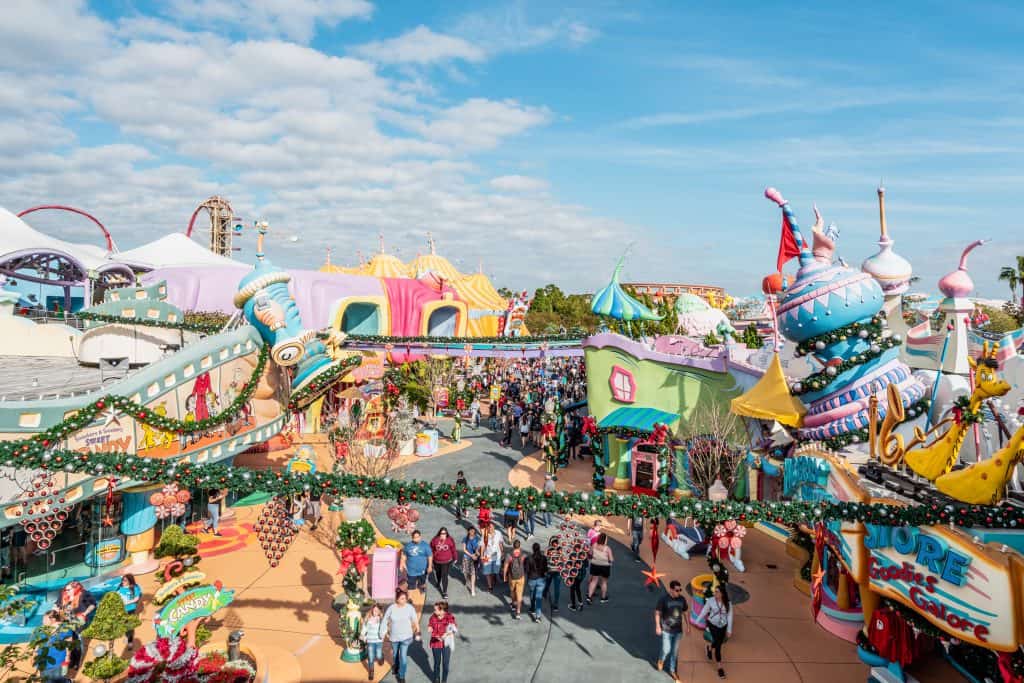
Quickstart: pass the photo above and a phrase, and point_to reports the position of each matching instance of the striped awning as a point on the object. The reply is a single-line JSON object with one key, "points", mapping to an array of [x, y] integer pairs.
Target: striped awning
{"points": [[640, 419]]}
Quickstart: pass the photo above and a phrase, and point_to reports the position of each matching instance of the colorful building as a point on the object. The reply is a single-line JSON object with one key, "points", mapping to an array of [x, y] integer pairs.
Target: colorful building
{"points": [[631, 388]]}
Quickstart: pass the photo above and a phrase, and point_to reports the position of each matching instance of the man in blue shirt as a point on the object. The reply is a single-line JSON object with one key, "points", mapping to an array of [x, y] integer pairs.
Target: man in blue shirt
{"points": [[417, 561]]}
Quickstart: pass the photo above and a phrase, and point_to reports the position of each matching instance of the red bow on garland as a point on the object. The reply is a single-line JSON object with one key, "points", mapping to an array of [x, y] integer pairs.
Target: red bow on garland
{"points": [[589, 426], [356, 557], [547, 430]]}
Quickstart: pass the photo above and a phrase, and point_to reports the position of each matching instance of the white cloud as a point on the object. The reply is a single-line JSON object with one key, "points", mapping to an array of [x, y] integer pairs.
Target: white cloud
{"points": [[40, 36], [292, 19], [581, 34], [509, 29], [420, 46], [320, 145], [482, 124], [519, 183]]}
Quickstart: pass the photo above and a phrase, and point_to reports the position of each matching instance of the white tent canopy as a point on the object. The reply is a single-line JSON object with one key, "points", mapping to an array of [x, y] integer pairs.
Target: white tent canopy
{"points": [[17, 236], [175, 249]]}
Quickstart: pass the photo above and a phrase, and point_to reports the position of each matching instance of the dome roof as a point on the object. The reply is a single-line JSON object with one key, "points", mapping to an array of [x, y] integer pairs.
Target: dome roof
{"points": [[699, 323], [432, 263], [691, 303], [385, 265], [890, 270]]}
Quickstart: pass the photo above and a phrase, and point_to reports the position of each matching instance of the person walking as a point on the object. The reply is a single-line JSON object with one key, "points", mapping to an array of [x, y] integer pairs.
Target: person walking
{"points": [[514, 573], [507, 426], [470, 558], [492, 411], [669, 621], [717, 614], [474, 411], [549, 491], [511, 520], [443, 553], [442, 640], [553, 581], [536, 566], [524, 430], [600, 568], [461, 483], [636, 528], [131, 595], [491, 555], [213, 499], [373, 635], [417, 561], [401, 626], [530, 522], [314, 503]]}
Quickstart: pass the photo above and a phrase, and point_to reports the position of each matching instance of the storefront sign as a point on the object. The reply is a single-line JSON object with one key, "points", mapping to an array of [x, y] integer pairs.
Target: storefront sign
{"points": [[965, 590], [197, 603], [169, 588], [107, 552]]}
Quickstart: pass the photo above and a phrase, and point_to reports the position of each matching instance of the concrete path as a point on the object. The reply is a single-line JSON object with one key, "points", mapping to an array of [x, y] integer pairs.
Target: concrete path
{"points": [[775, 639]]}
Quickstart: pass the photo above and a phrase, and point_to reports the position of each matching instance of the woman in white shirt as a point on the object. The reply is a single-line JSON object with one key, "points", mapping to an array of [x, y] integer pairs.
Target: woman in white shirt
{"points": [[717, 614], [490, 556]]}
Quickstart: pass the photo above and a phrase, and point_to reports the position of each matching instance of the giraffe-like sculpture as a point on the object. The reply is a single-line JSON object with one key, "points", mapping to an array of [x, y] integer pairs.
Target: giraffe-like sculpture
{"points": [[939, 456], [983, 483]]}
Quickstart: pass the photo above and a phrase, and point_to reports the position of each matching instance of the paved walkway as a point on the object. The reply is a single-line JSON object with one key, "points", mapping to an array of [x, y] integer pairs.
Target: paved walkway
{"points": [[287, 616], [774, 637]]}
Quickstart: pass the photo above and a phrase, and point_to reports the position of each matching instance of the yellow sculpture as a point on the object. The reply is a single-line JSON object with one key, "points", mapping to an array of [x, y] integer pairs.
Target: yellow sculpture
{"points": [[152, 437], [983, 483], [938, 457]]}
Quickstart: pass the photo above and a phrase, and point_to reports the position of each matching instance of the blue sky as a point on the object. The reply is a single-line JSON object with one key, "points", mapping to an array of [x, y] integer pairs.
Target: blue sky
{"points": [[540, 138]]}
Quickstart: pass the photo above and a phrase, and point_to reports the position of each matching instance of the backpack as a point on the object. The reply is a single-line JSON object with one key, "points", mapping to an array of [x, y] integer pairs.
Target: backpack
{"points": [[515, 567]]}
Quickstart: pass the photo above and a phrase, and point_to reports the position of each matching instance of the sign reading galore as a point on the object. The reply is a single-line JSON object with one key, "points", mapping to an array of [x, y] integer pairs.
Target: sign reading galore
{"points": [[197, 603], [964, 590]]}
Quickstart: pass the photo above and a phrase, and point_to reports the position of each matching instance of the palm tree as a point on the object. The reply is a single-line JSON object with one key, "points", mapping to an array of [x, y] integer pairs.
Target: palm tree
{"points": [[1013, 277]]}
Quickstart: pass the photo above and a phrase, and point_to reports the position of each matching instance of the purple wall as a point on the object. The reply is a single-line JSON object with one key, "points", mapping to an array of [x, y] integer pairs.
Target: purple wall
{"points": [[212, 288]]}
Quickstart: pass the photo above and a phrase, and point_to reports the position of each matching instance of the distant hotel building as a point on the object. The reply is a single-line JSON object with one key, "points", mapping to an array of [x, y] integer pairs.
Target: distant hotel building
{"points": [[715, 296]]}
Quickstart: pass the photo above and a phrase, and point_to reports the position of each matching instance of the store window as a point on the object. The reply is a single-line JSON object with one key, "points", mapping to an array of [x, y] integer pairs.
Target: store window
{"points": [[622, 384]]}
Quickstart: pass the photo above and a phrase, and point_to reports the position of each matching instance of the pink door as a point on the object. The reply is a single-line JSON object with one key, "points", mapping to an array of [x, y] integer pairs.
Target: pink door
{"points": [[384, 574]]}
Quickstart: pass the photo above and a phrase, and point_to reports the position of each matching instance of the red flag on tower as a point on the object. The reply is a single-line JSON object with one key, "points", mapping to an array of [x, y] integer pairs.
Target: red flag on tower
{"points": [[788, 247]]}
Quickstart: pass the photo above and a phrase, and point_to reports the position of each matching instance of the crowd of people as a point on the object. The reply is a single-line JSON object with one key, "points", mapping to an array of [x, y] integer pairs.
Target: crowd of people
{"points": [[535, 574]]}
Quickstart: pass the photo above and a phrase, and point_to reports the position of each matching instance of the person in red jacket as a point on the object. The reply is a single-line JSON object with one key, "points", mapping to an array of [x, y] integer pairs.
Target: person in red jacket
{"points": [[444, 551], [442, 640]]}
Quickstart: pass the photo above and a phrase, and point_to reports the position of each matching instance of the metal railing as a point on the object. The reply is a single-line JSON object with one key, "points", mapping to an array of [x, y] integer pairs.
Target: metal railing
{"points": [[52, 318]]}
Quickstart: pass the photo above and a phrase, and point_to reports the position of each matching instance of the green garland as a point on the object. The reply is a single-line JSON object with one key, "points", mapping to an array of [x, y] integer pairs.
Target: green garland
{"points": [[245, 480], [309, 393], [510, 341], [837, 443], [874, 329], [967, 416], [352, 535], [201, 328], [821, 379], [44, 440]]}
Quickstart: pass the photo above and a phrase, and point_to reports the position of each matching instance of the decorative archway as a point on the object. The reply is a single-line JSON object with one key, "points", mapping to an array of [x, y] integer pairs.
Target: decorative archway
{"points": [[111, 247]]}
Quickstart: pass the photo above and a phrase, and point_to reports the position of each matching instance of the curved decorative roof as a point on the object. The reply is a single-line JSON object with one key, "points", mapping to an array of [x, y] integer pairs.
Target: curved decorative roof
{"points": [[613, 302], [478, 292], [385, 265], [432, 263]]}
